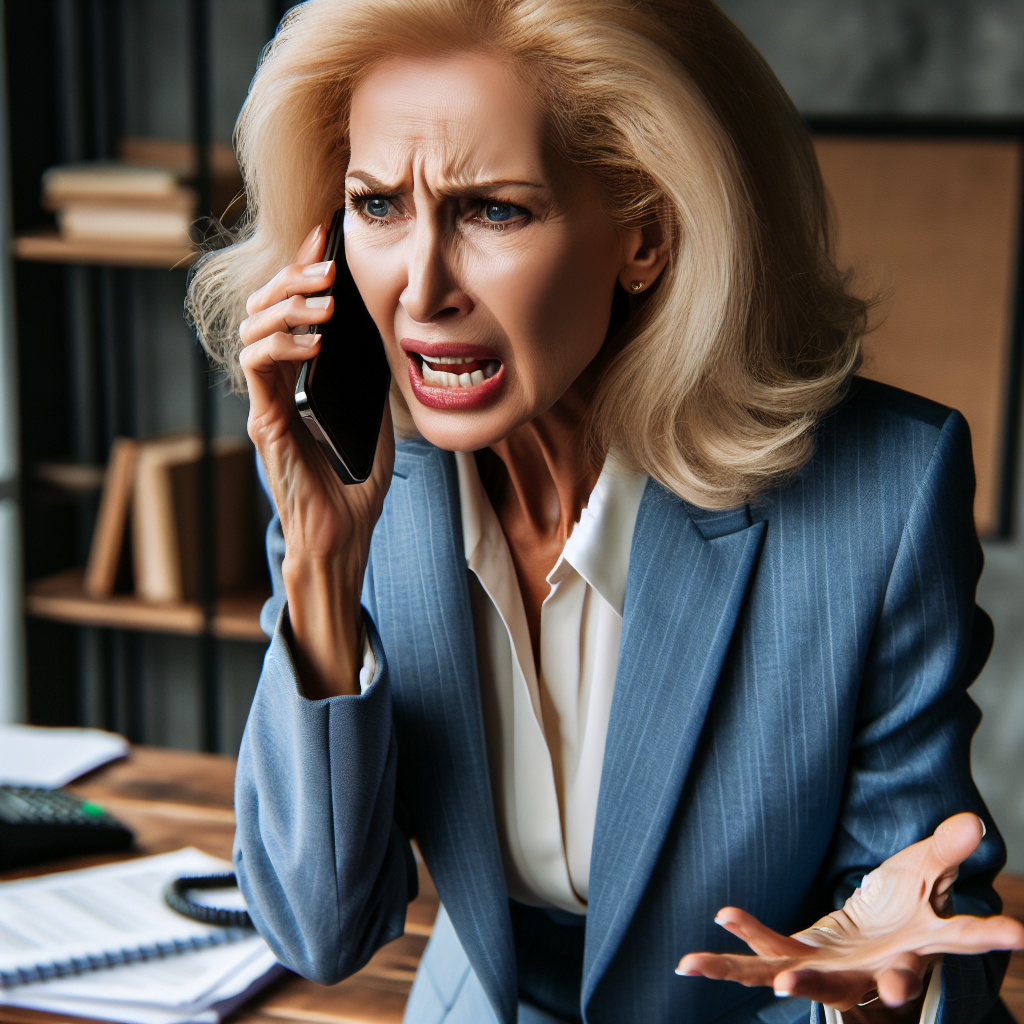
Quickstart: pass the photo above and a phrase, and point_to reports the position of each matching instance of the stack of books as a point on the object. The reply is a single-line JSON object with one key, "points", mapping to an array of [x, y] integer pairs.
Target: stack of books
{"points": [[143, 198], [114, 202], [147, 534]]}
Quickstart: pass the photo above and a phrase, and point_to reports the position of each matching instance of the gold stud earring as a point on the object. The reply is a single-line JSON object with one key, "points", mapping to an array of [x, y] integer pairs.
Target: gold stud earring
{"points": [[637, 286]]}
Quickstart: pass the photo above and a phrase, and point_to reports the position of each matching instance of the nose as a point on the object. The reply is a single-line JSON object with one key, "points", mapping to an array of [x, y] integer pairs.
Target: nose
{"points": [[433, 291]]}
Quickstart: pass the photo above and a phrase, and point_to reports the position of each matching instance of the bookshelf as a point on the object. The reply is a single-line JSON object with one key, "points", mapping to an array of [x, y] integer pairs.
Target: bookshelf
{"points": [[62, 598], [45, 246], [104, 354]]}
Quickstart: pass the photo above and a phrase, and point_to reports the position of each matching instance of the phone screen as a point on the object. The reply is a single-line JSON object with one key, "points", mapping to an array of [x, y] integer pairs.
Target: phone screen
{"points": [[341, 392]]}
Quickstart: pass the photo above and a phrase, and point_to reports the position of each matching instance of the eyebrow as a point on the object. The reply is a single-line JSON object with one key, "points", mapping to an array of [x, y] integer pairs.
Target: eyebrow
{"points": [[460, 189]]}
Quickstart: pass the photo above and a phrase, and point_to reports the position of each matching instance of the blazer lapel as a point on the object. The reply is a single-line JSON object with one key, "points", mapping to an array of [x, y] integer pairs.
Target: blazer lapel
{"points": [[685, 590], [420, 588]]}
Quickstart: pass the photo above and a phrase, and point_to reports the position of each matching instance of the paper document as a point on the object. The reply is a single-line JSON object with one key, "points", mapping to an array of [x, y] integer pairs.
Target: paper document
{"points": [[93, 916], [51, 758]]}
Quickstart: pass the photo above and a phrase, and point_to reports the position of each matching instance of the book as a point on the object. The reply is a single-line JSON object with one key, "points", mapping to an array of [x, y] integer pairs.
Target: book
{"points": [[127, 224], [106, 180], [102, 942], [156, 550], [147, 533], [237, 545], [166, 518], [107, 564]]}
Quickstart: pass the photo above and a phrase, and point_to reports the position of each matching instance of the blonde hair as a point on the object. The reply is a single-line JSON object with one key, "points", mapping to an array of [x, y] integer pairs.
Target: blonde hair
{"points": [[715, 379]]}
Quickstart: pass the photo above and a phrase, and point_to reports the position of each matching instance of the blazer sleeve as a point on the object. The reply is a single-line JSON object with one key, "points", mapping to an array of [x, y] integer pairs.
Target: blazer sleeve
{"points": [[909, 765], [326, 872]]}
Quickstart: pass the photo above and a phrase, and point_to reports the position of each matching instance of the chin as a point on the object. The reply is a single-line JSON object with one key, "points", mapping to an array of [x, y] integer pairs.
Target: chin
{"points": [[461, 431]]}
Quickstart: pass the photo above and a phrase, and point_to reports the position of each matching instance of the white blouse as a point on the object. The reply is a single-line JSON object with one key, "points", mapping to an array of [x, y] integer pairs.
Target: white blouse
{"points": [[546, 733]]}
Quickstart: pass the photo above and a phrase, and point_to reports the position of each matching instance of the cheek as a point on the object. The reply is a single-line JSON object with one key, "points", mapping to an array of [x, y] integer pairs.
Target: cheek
{"points": [[554, 302]]}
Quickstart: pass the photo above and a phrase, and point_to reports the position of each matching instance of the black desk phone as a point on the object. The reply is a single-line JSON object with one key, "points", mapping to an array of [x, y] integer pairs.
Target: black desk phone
{"points": [[43, 824]]}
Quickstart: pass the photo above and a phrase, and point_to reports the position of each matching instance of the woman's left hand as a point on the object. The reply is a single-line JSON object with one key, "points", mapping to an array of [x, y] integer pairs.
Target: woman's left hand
{"points": [[884, 939]]}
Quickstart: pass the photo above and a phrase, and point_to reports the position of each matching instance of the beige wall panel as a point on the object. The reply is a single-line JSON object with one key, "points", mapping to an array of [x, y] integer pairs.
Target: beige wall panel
{"points": [[933, 225]]}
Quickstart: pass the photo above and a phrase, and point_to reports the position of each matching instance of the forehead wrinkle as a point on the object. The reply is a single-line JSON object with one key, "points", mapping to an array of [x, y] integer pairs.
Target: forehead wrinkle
{"points": [[439, 139], [453, 168]]}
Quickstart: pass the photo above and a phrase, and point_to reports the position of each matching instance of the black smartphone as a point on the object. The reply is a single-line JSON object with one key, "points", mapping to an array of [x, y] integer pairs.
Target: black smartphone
{"points": [[341, 391]]}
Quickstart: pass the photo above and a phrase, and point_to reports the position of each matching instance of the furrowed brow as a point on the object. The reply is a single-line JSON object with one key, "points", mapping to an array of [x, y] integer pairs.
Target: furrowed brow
{"points": [[371, 181]]}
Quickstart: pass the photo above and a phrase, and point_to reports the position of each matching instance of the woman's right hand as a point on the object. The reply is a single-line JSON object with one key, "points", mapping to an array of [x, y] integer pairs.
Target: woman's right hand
{"points": [[327, 525]]}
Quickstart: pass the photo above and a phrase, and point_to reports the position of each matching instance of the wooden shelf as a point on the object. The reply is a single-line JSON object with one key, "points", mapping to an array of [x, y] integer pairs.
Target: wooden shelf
{"points": [[50, 247], [62, 598]]}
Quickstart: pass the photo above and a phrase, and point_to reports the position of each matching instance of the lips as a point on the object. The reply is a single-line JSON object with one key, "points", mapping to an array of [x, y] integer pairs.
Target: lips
{"points": [[450, 375]]}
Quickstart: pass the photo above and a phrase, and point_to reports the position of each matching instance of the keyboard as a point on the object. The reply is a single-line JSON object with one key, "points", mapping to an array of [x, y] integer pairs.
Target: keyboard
{"points": [[43, 824]]}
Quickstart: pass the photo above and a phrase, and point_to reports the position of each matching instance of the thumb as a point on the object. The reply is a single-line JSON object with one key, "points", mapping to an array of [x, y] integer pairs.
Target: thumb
{"points": [[955, 840]]}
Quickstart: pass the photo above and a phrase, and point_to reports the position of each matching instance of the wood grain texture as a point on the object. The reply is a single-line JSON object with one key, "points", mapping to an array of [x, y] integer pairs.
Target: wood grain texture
{"points": [[62, 597], [49, 247], [1011, 889], [931, 225]]}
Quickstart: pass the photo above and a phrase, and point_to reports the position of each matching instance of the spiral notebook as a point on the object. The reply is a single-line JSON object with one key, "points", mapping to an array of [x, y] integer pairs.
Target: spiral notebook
{"points": [[102, 942]]}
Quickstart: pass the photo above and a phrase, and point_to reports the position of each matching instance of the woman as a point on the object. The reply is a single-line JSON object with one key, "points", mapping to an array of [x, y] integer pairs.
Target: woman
{"points": [[655, 608]]}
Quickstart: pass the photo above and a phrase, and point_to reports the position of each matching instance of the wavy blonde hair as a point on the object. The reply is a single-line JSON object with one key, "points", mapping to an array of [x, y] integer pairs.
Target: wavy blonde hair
{"points": [[713, 382]]}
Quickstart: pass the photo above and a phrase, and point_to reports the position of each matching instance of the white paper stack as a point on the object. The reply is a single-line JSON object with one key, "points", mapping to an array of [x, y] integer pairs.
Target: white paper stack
{"points": [[163, 968], [31, 755]]}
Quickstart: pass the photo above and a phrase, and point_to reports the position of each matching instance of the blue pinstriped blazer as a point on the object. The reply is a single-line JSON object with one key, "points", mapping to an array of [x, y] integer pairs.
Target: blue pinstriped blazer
{"points": [[790, 709]]}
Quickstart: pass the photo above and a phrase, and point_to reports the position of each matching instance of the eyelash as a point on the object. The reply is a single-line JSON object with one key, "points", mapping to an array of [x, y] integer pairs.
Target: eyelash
{"points": [[359, 199]]}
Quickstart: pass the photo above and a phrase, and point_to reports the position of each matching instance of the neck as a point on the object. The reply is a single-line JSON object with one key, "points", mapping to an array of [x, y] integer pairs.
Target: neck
{"points": [[548, 471], [539, 479]]}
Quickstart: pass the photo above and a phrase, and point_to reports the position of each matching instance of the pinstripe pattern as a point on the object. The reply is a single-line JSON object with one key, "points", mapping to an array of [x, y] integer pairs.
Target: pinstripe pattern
{"points": [[790, 710]]}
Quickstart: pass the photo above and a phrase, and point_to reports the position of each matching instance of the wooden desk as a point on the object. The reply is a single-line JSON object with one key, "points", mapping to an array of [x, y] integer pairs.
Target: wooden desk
{"points": [[174, 798]]}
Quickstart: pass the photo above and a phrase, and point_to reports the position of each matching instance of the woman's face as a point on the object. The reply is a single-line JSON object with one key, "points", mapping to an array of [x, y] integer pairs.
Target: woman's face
{"points": [[487, 263]]}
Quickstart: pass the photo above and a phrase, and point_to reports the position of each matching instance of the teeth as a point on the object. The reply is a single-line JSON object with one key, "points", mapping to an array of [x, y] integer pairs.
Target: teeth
{"points": [[454, 359], [442, 378]]}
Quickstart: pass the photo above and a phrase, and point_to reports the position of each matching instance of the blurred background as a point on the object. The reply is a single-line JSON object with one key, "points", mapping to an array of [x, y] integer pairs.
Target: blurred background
{"points": [[110, 419]]}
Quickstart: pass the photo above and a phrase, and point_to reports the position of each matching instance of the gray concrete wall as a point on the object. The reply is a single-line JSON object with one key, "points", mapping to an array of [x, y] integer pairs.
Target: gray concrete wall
{"points": [[959, 57]]}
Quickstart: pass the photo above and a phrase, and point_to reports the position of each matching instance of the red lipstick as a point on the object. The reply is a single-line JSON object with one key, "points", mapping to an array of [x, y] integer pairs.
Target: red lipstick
{"points": [[441, 396]]}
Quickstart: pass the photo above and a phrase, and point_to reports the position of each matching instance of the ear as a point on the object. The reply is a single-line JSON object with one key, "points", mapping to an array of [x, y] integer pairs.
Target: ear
{"points": [[646, 255]]}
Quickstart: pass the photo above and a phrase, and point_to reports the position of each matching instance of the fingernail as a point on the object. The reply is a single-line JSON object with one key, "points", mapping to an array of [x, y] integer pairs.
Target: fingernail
{"points": [[306, 340], [318, 301], [984, 831], [316, 269], [720, 921], [687, 974], [781, 994]]}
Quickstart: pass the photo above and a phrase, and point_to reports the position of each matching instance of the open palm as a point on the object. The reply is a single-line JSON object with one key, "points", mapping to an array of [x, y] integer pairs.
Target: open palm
{"points": [[884, 938]]}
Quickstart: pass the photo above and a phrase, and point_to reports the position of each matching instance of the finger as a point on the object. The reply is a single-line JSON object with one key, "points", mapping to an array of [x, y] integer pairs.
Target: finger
{"points": [[966, 934], [298, 311], [897, 986], [295, 279], [312, 247], [841, 989], [760, 938], [261, 361], [747, 970]]}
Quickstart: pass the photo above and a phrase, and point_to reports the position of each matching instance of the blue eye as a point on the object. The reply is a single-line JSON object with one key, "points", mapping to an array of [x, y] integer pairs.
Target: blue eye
{"points": [[377, 207], [498, 213]]}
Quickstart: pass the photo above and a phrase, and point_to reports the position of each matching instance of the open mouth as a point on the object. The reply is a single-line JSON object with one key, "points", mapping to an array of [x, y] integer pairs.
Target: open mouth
{"points": [[452, 375], [456, 371]]}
